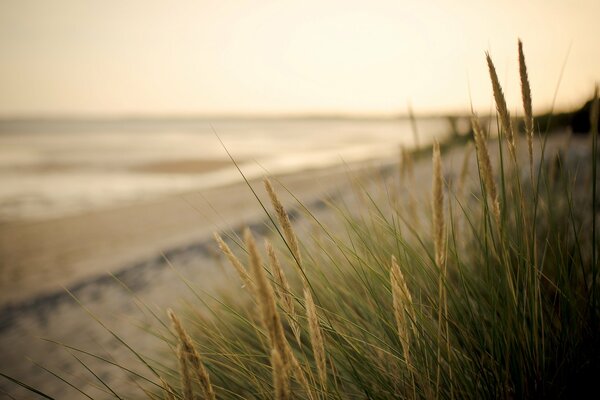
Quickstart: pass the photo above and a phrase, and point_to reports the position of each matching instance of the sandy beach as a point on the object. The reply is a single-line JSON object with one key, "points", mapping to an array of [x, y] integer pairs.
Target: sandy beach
{"points": [[103, 241]]}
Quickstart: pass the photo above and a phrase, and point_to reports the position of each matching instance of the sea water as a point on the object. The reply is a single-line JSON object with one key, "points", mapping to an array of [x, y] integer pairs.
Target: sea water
{"points": [[53, 168]]}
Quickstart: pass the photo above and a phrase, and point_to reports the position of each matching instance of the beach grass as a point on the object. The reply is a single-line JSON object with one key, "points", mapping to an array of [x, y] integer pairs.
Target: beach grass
{"points": [[497, 299], [485, 288]]}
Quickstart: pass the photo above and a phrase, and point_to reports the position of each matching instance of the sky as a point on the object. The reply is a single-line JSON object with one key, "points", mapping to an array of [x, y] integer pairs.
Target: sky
{"points": [[146, 57]]}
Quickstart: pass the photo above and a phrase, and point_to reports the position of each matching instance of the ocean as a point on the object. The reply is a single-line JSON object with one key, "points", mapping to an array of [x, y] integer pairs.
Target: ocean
{"points": [[59, 167]]}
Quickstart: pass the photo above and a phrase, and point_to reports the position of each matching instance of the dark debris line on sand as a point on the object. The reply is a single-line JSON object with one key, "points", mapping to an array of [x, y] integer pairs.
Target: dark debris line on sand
{"points": [[136, 277]]}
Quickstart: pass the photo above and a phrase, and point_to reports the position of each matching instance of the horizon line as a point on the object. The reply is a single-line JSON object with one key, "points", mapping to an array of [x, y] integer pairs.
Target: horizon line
{"points": [[139, 116]]}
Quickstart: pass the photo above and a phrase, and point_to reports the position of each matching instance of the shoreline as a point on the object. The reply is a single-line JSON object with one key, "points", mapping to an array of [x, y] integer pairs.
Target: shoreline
{"points": [[129, 275], [42, 257], [141, 292]]}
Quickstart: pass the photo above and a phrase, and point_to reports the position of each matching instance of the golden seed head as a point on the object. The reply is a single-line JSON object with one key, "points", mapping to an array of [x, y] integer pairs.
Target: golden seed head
{"points": [[283, 290], [402, 303], [187, 350], [485, 166], [235, 262], [266, 300], [316, 337], [186, 376], [501, 105], [527, 108], [282, 287], [284, 221]]}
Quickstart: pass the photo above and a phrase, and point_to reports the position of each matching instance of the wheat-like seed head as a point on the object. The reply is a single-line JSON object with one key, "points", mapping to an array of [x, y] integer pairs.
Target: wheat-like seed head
{"points": [[283, 290], [282, 287], [205, 383], [316, 337], [501, 105], [402, 303], [237, 264], [439, 226], [186, 376], [281, 380], [526, 94], [266, 300], [486, 168], [184, 339], [284, 221], [406, 296], [193, 357]]}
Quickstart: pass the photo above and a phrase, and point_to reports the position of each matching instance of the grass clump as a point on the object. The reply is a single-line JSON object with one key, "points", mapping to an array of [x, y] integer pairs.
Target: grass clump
{"points": [[375, 308]]}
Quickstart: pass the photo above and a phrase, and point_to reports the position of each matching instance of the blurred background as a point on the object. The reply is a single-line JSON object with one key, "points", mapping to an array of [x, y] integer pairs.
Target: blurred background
{"points": [[139, 58], [109, 102], [115, 117]]}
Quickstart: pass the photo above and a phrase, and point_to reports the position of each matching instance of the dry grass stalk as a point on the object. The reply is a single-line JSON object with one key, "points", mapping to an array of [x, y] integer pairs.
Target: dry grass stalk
{"points": [[486, 168], [505, 120], [407, 175], [460, 189], [237, 264], [402, 164], [413, 125], [283, 290], [464, 169], [271, 321], [388, 365], [526, 94], [193, 357], [186, 376], [316, 337], [284, 220], [266, 300], [439, 227], [281, 379], [282, 287], [439, 230], [402, 304], [407, 170], [594, 112]]}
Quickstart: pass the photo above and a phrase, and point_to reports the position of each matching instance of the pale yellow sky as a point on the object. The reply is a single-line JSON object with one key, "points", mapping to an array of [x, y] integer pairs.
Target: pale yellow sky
{"points": [[205, 57]]}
